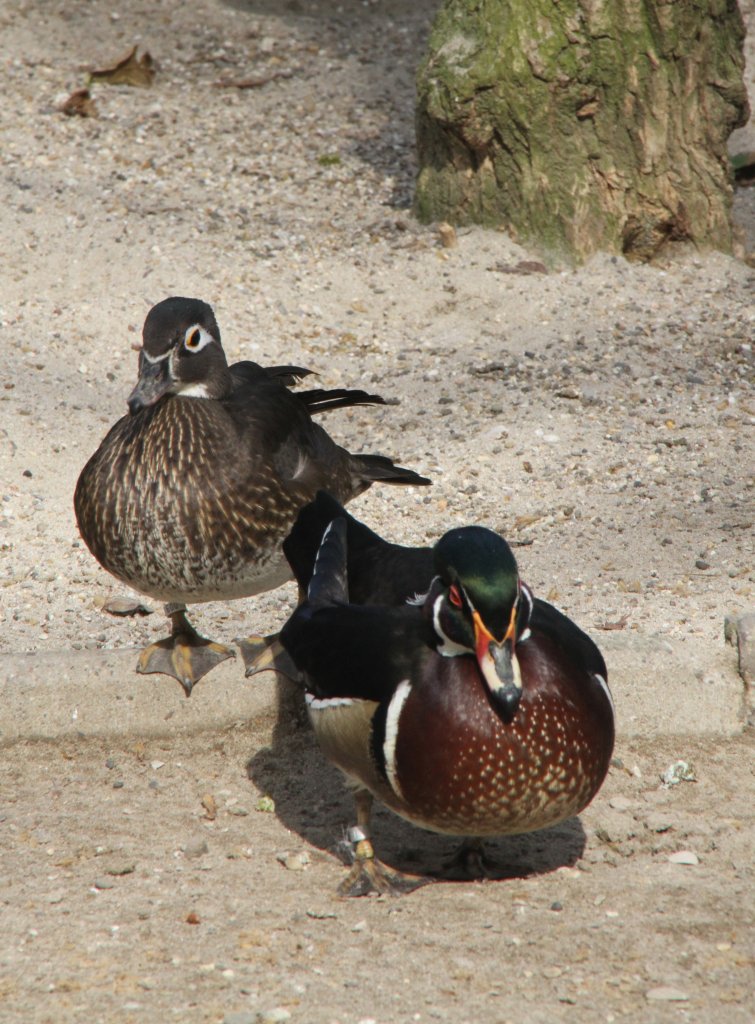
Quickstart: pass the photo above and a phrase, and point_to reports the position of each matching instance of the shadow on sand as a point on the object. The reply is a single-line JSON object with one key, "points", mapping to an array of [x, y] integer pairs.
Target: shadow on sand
{"points": [[312, 800], [383, 76]]}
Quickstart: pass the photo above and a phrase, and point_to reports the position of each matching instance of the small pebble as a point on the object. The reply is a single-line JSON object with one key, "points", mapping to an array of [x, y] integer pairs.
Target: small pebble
{"points": [[666, 994], [241, 1017], [275, 1016], [124, 606], [557, 906], [700, 563], [679, 771], [294, 861], [238, 810], [196, 847], [121, 869], [266, 804], [620, 803], [684, 857], [657, 821], [104, 883]]}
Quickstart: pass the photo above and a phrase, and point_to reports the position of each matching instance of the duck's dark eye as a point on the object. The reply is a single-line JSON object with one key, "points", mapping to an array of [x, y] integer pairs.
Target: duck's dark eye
{"points": [[194, 339], [454, 595]]}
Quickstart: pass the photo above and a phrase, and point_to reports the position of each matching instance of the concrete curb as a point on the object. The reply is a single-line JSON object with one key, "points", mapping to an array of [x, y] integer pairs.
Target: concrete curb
{"points": [[51, 696], [661, 687]]}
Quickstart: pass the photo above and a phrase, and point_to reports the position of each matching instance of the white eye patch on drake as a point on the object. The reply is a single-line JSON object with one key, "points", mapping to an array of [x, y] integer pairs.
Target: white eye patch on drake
{"points": [[196, 338]]}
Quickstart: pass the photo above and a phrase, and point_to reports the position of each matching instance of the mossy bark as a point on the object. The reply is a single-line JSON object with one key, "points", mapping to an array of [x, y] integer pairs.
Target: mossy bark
{"points": [[582, 125]]}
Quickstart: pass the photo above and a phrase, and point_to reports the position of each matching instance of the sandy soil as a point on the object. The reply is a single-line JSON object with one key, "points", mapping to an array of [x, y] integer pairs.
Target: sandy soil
{"points": [[601, 418]]}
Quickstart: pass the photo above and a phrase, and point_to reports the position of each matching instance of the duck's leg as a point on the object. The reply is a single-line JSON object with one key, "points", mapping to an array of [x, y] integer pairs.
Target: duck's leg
{"points": [[368, 873], [266, 654], [469, 861], [184, 654]]}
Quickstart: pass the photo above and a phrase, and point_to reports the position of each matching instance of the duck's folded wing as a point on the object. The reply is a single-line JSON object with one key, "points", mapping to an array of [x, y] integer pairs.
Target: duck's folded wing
{"points": [[357, 652], [549, 621], [247, 372]]}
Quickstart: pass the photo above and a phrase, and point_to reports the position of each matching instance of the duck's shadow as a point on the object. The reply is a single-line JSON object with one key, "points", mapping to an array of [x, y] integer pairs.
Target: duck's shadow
{"points": [[312, 800]]}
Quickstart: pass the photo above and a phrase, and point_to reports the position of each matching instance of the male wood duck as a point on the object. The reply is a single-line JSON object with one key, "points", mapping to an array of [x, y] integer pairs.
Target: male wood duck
{"points": [[475, 709], [190, 495]]}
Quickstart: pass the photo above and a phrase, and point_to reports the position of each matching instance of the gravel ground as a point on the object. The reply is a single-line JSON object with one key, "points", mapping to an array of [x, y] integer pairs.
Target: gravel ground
{"points": [[601, 418]]}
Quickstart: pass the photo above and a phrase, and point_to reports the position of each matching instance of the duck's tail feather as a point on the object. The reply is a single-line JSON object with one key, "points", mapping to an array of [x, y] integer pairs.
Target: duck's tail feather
{"points": [[322, 399], [380, 468]]}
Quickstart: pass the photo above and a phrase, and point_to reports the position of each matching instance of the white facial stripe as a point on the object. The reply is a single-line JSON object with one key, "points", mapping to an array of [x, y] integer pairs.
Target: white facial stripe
{"points": [[525, 635], [155, 359], [449, 648], [195, 390], [395, 708], [604, 687]]}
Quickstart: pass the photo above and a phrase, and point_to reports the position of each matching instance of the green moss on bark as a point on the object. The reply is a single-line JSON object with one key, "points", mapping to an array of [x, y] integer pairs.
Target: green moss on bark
{"points": [[581, 125]]}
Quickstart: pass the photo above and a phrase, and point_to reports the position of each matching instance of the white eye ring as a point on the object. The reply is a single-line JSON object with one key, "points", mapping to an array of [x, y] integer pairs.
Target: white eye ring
{"points": [[196, 338]]}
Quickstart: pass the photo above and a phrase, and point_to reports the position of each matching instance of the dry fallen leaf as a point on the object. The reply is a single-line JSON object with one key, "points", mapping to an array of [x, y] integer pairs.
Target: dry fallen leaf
{"points": [[447, 235], [129, 70], [619, 624], [210, 805], [253, 82], [79, 103], [522, 267], [527, 520]]}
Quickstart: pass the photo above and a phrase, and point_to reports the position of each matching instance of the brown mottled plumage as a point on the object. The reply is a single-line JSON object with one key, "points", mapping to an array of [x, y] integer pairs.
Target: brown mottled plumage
{"points": [[189, 497]]}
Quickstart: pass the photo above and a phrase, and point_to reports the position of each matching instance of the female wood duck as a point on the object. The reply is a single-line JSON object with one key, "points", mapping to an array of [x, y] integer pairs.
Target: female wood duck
{"points": [[475, 709], [189, 497]]}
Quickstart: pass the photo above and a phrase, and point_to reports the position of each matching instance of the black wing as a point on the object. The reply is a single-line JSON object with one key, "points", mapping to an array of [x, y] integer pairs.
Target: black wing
{"points": [[378, 572], [248, 372], [348, 650], [355, 651], [566, 635]]}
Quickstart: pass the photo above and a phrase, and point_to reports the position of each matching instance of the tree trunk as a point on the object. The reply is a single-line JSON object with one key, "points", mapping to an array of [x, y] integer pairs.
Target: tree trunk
{"points": [[583, 125]]}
